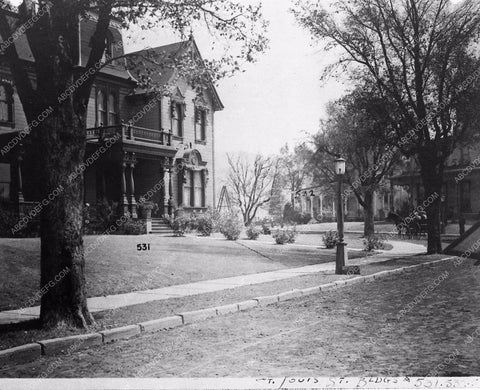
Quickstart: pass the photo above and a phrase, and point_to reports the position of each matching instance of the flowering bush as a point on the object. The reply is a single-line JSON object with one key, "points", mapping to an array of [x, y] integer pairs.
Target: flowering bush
{"points": [[284, 236], [253, 232], [330, 239], [231, 227]]}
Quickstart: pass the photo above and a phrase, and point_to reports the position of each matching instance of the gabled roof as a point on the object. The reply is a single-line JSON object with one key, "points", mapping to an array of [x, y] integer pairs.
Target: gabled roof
{"points": [[166, 75], [25, 53]]}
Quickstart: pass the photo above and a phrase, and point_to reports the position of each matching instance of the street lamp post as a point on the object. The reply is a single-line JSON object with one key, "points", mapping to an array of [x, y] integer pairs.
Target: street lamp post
{"points": [[442, 214], [340, 258]]}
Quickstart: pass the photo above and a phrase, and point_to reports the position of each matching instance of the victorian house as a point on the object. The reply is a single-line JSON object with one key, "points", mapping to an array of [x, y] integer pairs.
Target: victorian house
{"points": [[158, 146]]}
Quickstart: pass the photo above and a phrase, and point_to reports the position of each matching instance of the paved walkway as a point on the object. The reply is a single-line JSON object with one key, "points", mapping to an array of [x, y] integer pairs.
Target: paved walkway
{"points": [[110, 302]]}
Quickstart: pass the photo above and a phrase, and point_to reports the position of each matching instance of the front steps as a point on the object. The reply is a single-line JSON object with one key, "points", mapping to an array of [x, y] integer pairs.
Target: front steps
{"points": [[160, 227]]}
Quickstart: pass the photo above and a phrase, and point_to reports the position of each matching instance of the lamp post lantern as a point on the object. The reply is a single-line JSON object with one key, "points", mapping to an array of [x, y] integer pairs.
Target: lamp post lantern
{"points": [[339, 164]]}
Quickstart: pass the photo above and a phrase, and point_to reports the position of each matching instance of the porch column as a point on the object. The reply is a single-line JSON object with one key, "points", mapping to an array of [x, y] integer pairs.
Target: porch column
{"points": [[311, 206], [133, 202], [166, 180], [170, 187], [20, 197], [124, 200], [20, 180]]}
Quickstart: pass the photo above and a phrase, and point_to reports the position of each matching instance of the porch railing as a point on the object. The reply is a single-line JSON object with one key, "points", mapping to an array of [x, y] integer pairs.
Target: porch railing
{"points": [[131, 133]]}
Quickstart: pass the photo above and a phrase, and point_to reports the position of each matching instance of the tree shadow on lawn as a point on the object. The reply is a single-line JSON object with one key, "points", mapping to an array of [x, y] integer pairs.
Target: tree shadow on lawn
{"points": [[297, 256]]}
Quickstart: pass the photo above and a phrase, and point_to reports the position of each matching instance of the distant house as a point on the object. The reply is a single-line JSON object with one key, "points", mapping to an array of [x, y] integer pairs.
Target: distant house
{"points": [[403, 191], [160, 147], [461, 184]]}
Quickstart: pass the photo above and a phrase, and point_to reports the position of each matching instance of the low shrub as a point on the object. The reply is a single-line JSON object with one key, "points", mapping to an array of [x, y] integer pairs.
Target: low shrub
{"points": [[179, 225], [330, 239], [373, 242], [284, 236], [253, 232], [204, 225], [9, 220], [231, 227], [133, 227], [99, 217]]}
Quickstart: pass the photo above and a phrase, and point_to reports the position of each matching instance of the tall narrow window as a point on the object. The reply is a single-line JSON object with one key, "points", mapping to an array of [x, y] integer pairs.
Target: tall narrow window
{"points": [[6, 104], [198, 185], [107, 107], [179, 116], [200, 124], [101, 109], [112, 109], [187, 189]]}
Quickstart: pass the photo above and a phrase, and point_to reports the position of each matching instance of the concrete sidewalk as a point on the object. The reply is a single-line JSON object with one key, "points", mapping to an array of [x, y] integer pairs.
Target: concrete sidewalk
{"points": [[110, 302]]}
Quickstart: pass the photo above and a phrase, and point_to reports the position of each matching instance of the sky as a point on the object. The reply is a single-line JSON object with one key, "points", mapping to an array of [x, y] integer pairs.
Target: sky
{"points": [[277, 100]]}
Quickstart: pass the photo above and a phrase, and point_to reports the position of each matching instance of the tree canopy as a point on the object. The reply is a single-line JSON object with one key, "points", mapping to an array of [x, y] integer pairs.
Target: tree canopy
{"points": [[422, 56]]}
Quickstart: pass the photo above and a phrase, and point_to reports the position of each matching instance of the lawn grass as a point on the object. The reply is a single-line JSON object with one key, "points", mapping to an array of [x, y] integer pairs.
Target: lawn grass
{"points": [[116, 266]]}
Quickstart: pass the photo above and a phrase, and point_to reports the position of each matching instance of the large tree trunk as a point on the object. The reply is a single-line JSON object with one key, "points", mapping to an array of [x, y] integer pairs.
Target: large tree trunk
{"points": [[369, 213], [64, 302], [432, 176], [56, 145]]}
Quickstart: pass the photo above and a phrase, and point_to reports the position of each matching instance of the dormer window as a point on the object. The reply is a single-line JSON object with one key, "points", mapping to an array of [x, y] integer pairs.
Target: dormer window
{"points": [[6, 104]]}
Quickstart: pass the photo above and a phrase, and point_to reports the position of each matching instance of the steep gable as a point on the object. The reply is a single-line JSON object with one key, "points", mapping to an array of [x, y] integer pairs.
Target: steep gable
{"points": [[166, 75]]}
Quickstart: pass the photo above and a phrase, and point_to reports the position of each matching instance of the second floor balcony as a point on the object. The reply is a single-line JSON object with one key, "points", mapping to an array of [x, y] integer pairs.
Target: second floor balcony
{"points": [[131, 134]]}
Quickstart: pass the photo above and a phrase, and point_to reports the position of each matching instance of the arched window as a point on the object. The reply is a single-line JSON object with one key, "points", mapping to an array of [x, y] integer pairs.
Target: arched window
{"points": [[194, 189], [112, 109], [6, 103], [101, 109]]}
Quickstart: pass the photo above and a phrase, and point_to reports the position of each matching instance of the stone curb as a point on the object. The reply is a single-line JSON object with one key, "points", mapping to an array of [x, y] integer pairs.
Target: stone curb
{"points": [[71, 343], [124, 332], [22, 354], [29, 352], [161, 324], [198, 315]]}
